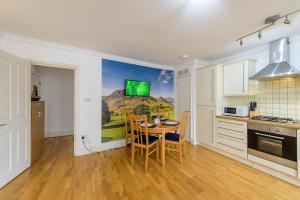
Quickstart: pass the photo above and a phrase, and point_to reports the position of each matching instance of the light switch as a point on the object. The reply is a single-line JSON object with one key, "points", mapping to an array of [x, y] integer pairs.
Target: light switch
{"points": [[87, 99]]}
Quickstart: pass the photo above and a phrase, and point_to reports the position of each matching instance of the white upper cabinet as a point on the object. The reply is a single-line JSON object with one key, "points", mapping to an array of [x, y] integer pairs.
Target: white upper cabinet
{"points": [[206, 86], [236, 78]]}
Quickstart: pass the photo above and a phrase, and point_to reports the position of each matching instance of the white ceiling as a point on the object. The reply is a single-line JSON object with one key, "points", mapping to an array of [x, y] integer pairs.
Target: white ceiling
{"points": [[158, 31]]}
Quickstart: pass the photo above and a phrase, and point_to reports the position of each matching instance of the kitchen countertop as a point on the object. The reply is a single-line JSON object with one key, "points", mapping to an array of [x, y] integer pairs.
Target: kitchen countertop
{"points": [[247, 119]]}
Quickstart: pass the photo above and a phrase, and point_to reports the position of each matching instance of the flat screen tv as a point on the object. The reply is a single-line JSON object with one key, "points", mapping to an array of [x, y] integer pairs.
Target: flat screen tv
{"points": [[137, 88]]}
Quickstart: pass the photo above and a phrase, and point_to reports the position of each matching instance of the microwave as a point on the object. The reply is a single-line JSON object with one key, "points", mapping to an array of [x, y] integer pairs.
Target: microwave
{"points": [[239, 111]]}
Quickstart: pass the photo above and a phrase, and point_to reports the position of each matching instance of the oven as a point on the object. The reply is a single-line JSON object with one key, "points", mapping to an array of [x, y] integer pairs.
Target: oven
{"points": [[275, 144]]}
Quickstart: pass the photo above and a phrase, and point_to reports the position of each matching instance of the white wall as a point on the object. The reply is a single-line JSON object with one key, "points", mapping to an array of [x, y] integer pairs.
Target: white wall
{"points": [[88, 72], [261, 54], [35, 78], [57, 90]]}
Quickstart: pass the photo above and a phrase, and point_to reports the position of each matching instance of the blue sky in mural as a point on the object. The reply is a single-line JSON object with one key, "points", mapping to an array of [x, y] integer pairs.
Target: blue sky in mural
{"points": [[115, 73]]}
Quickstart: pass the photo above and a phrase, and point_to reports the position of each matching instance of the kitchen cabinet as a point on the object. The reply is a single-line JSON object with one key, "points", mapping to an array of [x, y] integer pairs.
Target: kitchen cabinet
{"points": [[205, 124], [236, 78], [208, 102], [206, 86], [37, 129], [231, 137]]}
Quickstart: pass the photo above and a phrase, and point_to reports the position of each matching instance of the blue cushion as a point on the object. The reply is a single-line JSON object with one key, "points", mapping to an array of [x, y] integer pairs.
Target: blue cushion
{"points": [[172, 137], [151, 139]]}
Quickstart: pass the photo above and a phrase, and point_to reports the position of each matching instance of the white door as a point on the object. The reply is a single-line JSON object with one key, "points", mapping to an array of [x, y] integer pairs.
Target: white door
{"points": [[205, 124], [184, 101], [14, 117], [206, 86]]}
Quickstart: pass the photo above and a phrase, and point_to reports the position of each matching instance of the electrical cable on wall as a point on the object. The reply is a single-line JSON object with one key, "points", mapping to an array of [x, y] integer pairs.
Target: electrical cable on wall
{"points": [[85, 145]]}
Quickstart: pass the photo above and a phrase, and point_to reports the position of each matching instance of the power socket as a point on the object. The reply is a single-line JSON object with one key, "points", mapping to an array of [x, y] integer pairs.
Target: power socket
{"points": [[84, 137]]}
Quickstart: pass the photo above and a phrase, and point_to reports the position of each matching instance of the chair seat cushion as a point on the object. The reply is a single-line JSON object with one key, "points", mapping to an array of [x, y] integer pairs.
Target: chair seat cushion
{"points": [[150, 138], [172, 137]]}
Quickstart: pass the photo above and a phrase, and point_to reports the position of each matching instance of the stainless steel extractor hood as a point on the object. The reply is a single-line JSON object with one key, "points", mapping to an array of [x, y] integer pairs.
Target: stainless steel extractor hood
{"points": [[279, 62]]}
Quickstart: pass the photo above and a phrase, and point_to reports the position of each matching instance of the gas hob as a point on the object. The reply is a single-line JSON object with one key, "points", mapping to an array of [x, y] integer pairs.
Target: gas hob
{"points": [[275, 119]]}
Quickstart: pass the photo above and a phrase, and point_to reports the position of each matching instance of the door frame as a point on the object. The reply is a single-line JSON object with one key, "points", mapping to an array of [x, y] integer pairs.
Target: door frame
{"points": [[76, 94], [191, 138]]}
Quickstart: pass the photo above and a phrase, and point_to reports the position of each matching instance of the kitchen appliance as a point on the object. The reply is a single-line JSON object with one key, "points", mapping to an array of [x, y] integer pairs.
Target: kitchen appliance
{"points": [[238, 111], [275, 119], [279, 66], [272, 143]]}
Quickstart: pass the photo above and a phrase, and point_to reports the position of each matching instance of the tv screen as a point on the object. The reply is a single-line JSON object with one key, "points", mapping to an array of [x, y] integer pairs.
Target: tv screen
{"points": [[137, 88]]}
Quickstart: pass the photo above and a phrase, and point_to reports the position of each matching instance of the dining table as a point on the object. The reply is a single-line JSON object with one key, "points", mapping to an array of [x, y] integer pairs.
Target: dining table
{"points": [[161, 130]]}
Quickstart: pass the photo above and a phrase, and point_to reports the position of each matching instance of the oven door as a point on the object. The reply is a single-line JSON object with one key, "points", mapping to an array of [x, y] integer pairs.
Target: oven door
{"points": [[280, 149]]}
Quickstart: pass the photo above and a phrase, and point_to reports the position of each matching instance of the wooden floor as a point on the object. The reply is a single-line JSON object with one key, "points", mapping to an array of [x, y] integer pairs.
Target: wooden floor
{"points": [[109, 175]]}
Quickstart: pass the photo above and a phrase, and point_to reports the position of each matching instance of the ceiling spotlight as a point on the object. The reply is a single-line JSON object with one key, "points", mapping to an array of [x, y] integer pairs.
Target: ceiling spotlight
{"points": [[272, 19], [241, 42], [185, 56], [287, 21], [259, 35]]}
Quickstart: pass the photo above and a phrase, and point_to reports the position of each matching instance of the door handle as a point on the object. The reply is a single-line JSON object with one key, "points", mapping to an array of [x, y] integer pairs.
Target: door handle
{"points": [[270, 136], [213, 86], [3, 124], [39, 115], [243, 78]]}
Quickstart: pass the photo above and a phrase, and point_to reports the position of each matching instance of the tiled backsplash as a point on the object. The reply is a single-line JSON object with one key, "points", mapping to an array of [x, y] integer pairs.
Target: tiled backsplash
{"points": [[278, 98]]}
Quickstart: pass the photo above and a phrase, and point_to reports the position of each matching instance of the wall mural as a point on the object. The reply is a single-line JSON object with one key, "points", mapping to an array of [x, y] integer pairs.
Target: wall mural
{"points": [[114, 75]]}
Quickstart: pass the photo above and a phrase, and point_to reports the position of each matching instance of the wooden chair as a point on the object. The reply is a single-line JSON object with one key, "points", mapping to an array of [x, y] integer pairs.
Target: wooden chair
{"points": [[178, 139], [141, 139], [126, 117]]}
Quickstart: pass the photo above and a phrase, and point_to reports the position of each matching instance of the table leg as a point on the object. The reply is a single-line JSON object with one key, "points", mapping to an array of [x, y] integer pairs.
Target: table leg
{"points": [[163, 144]]}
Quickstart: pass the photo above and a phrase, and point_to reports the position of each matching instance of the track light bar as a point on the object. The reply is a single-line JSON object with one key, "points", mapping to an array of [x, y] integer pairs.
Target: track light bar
{"points": [[270, 21]]}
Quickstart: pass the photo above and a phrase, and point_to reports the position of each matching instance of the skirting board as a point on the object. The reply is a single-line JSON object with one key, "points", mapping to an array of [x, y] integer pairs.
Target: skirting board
{"points": [[109, 145], [272, 165], [59, 134], [277, 174], [234, 157], [257, 166]]}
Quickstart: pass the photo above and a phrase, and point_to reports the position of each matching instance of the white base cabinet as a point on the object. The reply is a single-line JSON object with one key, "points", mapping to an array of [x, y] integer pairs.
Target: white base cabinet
{"points": [[231, 136]]}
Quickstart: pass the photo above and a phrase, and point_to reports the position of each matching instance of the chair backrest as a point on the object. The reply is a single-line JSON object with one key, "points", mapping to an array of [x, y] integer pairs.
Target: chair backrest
{"points": [[169, 129], [139, 126], [183, 124], [126, 112]]}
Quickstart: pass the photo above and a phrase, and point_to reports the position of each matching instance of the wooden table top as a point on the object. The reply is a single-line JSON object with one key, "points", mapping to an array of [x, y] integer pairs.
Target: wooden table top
{"points": [[162, 126]]}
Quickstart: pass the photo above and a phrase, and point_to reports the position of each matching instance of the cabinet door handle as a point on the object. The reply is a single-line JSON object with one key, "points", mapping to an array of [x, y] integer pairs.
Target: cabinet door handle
{"points": [[243, 78], [2, 124], [230, 146], [39, 115], [213, 86], [213, 126]]}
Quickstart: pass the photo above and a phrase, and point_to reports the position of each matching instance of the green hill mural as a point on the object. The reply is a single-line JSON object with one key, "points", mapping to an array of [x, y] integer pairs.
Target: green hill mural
{"points": [[114, 101]]}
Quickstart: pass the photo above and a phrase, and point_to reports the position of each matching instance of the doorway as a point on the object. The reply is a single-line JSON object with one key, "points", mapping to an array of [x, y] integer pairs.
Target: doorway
{"points": [[183, 101], [55, 86]]}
